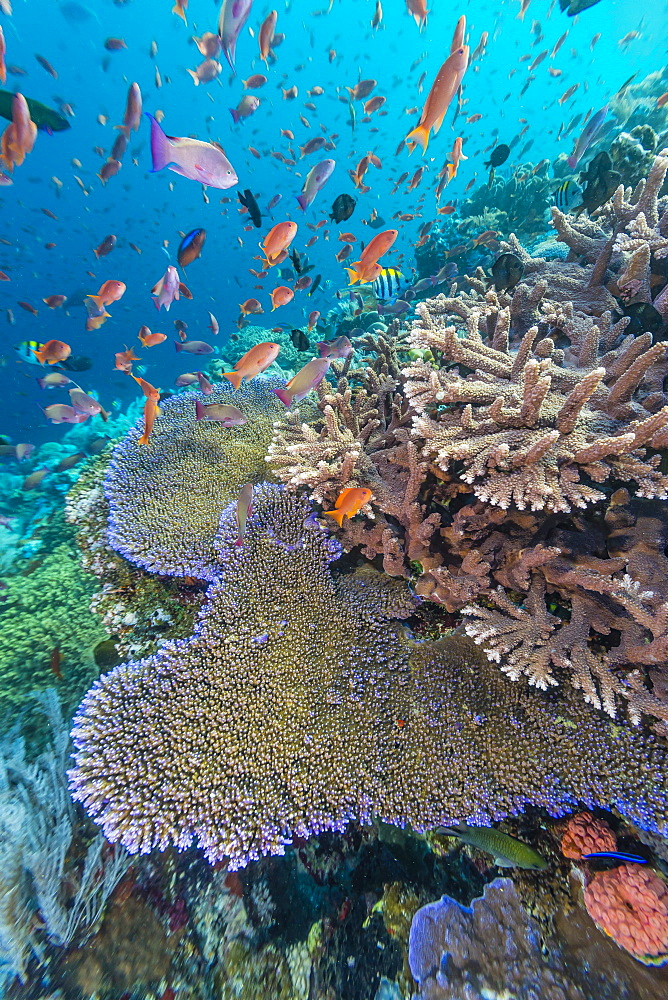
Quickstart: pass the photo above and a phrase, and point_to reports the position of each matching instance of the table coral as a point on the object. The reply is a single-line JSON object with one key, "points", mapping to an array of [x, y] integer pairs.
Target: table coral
{"points": [[630, 904], [586, 835], [279, 716], [166, 498]]}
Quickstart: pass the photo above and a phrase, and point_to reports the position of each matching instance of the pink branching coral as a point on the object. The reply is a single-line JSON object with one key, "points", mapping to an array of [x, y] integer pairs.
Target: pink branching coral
{"points": [[630, 904], [586, 835], [527, 429]]}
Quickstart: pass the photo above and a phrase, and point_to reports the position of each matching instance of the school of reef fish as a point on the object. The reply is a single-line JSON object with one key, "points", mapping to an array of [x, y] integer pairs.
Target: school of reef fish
{"points": [[380, 593]]}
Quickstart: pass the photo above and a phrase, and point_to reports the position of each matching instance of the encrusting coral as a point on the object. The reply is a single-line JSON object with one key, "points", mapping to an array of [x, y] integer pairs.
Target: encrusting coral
{"points": [[298, 705], [630, 904]]}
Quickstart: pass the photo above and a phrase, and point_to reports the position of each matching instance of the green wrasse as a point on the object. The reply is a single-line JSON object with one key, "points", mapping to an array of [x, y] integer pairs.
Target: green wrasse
{"points": [[506, 851], [43, 117]]}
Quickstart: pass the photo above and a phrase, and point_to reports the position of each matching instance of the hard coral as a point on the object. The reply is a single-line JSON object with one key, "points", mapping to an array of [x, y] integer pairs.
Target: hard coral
{"points": [[280, 716], [166, 498], [586, 835], [630, 904], [526, 428]]}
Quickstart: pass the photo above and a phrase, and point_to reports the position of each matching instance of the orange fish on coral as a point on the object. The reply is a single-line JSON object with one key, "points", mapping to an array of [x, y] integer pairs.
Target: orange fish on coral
{"points": [[349, 502], [151, 411], [149, 390], [254, 361]]}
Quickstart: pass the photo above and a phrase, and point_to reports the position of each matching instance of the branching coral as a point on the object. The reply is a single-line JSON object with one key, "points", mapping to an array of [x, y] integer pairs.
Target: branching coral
{"points": [[297, 705], [527, 429], [166, 498]]}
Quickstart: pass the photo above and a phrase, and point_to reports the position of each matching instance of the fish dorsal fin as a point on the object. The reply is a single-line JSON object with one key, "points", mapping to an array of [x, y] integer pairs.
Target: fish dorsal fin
{"points": [[216, 145]]}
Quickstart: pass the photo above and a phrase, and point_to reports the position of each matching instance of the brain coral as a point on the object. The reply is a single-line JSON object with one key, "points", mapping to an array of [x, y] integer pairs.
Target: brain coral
{"points": [[299, 704], [166, 499]]}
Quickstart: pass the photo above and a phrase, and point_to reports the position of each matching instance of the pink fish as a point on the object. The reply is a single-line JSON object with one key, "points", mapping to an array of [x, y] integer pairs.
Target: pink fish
{"points": [[307, 378], [193, 347], [167, 289], [340, 347], [61, 413], [316, 179], [233, 16], [204, 384], [198, 161], [244, 511]]}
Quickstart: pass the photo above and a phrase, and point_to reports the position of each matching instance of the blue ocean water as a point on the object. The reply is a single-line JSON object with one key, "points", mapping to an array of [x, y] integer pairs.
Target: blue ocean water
{"points": [[290, 923], [149, 209]]}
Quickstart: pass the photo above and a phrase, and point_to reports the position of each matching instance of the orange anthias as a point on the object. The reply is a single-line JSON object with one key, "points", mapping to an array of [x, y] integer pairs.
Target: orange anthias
{"points": [[250, 306], [367, 267], [110, 291], [52, 352], [151, 411], [252, 363], [281, 296], [443, 89], [276, 243], [349, 502]]}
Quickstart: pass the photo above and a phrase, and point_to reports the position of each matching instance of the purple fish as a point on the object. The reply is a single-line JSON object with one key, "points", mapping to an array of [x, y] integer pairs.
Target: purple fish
{"points": [[198, 161], [167, 289], [340, 347], [193, 347], [233, 15], [223, 413], [587, 136], [316, 179], [204, 383], [244, 511], [188, 379]]}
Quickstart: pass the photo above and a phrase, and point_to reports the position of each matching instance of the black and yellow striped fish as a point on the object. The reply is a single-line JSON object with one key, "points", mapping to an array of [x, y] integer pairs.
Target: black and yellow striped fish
{"points": [[388, 283], [568, 195]]}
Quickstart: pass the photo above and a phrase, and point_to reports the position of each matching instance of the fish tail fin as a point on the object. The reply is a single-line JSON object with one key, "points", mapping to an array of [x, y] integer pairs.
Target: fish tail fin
{"points": [[303, 203], [95, 251], [200, 413], [283, 395], [353, 273], [143, 439], [420, 135], [96, 298], [235, 115], [233, 377], [193, 74], [178, 346], [180, 12], [338, 516], [161, 147]]}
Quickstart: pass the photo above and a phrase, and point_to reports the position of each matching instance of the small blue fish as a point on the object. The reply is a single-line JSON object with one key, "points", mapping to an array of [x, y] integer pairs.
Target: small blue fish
{"points": [[616, 856]]}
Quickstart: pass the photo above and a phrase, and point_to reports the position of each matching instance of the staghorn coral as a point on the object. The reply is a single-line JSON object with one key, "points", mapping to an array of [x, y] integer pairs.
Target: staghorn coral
{"points": [[586, 835], [361, 440], [493, 948], [525, 428], [279, 717], [630, 904], [165, 499]]}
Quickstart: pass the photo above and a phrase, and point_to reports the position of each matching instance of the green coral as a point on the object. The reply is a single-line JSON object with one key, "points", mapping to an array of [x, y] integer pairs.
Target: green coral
{"points": [[44, 608]]}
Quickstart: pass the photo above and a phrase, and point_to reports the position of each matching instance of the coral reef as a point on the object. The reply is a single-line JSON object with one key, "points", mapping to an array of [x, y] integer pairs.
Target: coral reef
{"points": [[165, 499], [493, 948], [630, 904], [297, 705], [517, 204]]}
